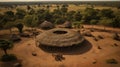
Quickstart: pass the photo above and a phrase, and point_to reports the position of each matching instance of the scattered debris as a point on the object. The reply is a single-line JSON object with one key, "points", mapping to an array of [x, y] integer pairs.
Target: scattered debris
{"points": [[15, 38], [17, 64], [58, 57], [116, 36], [82, 26], [101, 37], [95, 38], [115, 44], [24, 35], [87, 33], [34, 54], [35, 33], [95, 61], [28, 30], [99, 47]]}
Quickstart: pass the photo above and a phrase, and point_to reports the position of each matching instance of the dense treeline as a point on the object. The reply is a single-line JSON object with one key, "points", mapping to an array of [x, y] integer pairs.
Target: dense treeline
{"points": [[33, 18], [101, 3]]}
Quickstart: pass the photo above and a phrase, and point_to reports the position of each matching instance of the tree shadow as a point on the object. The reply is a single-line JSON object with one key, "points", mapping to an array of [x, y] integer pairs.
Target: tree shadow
{"points": [[84, 47], [16, 63]]}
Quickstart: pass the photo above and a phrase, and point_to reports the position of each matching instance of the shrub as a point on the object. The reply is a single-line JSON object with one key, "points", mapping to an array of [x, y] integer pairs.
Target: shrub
{"points": [[101, 37], [9, 57], [111, 61], [116, 36]]}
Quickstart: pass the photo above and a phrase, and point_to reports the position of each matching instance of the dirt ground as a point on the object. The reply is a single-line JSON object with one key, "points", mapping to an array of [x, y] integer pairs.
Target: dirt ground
{"points": [[93, 57]]}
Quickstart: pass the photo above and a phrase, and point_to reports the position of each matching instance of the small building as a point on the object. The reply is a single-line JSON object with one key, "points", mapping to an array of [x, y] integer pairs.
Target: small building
{"points": [[46, 25], [67, 24]]}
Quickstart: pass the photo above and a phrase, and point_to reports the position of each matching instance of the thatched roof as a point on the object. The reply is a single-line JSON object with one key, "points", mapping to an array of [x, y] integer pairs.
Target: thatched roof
{"points": [[59, 37], [67, 24], [46, 25]]}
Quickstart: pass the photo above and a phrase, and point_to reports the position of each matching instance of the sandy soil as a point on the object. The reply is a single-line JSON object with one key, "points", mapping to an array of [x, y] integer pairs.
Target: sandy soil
{"points": [[24, 49]]}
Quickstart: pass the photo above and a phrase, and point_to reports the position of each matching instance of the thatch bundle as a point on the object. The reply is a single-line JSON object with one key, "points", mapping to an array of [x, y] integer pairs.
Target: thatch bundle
{"points": [[46, 25], [60, 37]]}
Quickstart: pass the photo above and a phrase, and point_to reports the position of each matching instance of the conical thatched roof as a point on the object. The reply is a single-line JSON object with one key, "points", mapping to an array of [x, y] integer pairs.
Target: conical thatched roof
{"points": [[59, 37], [67, 24], [46, 25]]}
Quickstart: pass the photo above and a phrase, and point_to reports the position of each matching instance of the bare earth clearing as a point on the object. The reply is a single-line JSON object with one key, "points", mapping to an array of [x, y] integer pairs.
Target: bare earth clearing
{"points": [[24, 49]]}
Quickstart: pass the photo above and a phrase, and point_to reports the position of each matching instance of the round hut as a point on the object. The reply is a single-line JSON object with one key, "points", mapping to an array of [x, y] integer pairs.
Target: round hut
{"points": [[67, 24], [46, 25], [59, 37]]}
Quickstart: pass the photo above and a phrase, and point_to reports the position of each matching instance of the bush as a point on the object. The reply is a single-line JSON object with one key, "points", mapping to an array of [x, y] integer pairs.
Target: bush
{"points": [[116, 36], [111, 61], [101, 37], [60, 21], [9, 57]]}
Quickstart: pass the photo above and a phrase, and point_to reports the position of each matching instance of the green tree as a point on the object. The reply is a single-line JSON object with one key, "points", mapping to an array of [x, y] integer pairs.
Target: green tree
{"points": [[64, 10], [57, 11], [40, 15], [60, 20], [1, 21], [77, 24], [77, 16], [93, 22], [89, 14], [28, 20], [47, 7], [57, 6], [5, 45], [9, 25], [70, 15], [28, 7], [31, 20], [48, 16], [20, 13], [40, 11], [116, 21], [31, 11], [9, 15], [105, 22], [65, 5], [106, 13], [19, 25]]}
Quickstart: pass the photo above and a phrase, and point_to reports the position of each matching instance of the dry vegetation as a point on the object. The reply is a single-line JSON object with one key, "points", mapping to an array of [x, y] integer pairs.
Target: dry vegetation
{"points": [[96, 53], [70, 8]]}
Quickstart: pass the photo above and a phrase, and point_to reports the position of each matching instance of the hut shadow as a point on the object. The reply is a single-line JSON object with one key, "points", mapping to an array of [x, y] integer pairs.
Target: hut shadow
{"points": [[71, 50]]}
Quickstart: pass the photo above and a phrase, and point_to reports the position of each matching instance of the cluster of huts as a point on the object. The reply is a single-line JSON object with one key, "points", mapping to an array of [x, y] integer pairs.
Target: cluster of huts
{"points": [[49, 25]]}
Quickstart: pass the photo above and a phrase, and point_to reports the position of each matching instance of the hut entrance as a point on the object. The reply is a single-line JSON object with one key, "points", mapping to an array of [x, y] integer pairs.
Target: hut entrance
{"points": [[60, 32]]}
